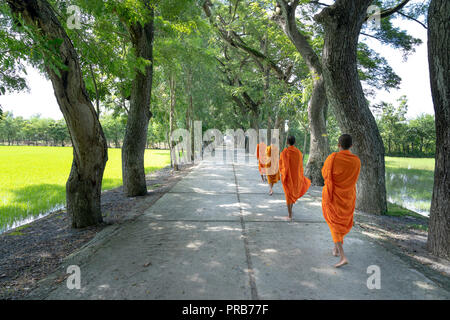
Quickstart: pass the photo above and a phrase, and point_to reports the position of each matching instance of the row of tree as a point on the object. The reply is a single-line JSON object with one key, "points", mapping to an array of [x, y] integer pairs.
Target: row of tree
{"points": [[49, 132], [232, 64]]}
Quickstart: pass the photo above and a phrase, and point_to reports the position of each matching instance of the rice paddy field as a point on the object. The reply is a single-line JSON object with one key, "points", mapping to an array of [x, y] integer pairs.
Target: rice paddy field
{"points": [[32, 179]]}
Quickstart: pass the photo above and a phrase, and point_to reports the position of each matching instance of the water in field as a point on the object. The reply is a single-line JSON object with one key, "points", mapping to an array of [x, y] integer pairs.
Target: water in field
{"points": [[409, 183]]}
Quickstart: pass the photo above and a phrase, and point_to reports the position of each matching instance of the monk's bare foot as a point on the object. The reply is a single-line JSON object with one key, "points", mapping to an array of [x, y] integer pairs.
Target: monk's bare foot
{"points": [[341, 263], [270, 192], [335, 252]]}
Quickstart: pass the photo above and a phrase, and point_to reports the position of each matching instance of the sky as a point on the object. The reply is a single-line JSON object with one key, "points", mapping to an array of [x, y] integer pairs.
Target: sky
{"points": [[413, 72]]}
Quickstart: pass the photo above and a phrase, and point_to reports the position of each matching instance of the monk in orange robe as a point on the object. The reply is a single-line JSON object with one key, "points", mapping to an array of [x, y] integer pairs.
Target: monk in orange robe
{"points": [[261, 156], [295, 184], [340, 172], [272, 169]]}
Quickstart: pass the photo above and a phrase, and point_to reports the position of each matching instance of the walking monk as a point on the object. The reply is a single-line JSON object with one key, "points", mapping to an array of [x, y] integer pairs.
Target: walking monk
{"points": [[295, 184], [273, 173], [340, 172], [261, 156]]}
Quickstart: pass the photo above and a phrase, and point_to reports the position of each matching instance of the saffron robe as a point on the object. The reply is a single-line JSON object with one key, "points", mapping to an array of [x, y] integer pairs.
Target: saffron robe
{"points": [[261, 156], [273, 173], [295, 184], [340, 172]]}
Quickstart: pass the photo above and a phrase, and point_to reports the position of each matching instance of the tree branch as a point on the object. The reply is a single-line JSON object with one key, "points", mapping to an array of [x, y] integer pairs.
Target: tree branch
{"points": [[234, 40], [413, 19], [386, 13]]}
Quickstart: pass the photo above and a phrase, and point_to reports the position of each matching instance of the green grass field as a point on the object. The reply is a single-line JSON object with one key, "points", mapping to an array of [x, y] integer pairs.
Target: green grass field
{"points": [[32, 179]]}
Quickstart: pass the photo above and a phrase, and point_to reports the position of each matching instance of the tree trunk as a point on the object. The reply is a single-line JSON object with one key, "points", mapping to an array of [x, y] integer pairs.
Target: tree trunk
{"points": [[439, 63], [342, 24], [90, 153], [190, 115], [172, 120], [139, 114], [282, 134], [319, 148], [305, 140]]}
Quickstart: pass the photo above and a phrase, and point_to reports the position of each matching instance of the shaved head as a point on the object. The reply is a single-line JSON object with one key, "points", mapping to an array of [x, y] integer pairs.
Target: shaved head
{"points": [[291, 140], [345, 141]]}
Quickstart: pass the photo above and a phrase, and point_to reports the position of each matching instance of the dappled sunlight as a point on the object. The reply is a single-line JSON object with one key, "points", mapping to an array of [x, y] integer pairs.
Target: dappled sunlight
{"points": [[203, 191], [281, 218], [104, 287], [308, 284], [269, 251], [155, 226], [315, 204], [45, 255], [373, 236], [222, 228], [185, 226], [276, 201], [350, 240], [424, 285], [196, 278], [246, 213], [195, 244], [245, 205], [230, 205], [329, 271], [213, 264]]}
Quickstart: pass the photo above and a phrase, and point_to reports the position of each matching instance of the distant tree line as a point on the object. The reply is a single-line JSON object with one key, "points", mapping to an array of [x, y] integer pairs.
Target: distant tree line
{"points": [[38, 131], [402, 137]]}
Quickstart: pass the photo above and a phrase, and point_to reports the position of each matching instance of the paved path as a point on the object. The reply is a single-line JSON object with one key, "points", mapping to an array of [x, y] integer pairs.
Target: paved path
{"points": [[218, 235]]}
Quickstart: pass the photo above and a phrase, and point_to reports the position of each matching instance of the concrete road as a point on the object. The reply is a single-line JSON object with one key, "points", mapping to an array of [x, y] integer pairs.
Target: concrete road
{"points": [[219, 235]]}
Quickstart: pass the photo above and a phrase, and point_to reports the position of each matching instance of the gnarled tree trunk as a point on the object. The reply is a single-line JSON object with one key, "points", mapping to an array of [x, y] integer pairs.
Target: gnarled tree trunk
{"points": [[90, 153], [439, 63], [342, 24], [135, 140], [319, 148]]}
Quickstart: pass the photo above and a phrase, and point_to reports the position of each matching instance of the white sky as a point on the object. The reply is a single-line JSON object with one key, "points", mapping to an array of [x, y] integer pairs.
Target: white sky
{"points": [[414, 73]]}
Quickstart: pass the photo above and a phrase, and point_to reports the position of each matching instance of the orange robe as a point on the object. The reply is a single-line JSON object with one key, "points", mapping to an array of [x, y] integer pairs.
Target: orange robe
{"points": [[261, 156], [340, 172], [273, 174], [295, 184]]}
